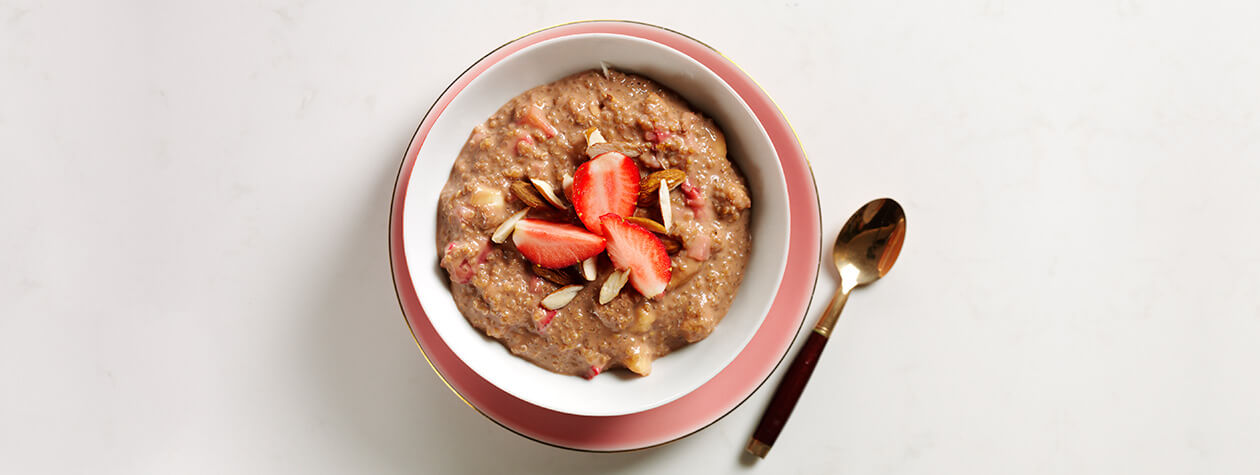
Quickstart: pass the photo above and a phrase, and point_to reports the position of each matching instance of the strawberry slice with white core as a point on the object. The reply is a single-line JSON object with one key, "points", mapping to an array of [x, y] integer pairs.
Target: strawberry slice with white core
{"points": [[638, 250], [555, 245], [608, 183]]}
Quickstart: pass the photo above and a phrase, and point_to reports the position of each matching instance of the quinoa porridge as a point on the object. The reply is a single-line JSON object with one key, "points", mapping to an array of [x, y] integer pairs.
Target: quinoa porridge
{"points": [[594, 223]]}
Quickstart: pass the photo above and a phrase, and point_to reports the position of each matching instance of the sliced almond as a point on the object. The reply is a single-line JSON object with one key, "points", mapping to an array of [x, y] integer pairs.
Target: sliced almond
{"points": [[588, 269], [647, 224], [598, 149], [556, 276], [526, 193], [604, 67], [671, 177], [594, 137], [612, 285], [667, 208], [504, 230], [672, 246], [558, 299], [566, 184], [548, 192]]}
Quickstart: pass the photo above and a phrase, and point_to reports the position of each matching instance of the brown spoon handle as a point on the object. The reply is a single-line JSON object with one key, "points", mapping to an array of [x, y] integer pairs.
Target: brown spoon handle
{"points": [[785, 397], [789, 390]]}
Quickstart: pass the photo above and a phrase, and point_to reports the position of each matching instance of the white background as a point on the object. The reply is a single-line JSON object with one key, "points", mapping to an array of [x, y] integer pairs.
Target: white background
{"points": [[194, 275]]}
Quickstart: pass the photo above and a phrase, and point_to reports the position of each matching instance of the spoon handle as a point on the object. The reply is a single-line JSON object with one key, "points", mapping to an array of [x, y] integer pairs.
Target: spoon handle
{"points": [[785, 397], [793, 384]]}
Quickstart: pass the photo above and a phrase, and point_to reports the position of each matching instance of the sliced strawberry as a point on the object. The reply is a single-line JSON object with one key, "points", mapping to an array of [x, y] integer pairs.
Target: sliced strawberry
{"points": [[555, 245], [632, 247], [609, 183]]}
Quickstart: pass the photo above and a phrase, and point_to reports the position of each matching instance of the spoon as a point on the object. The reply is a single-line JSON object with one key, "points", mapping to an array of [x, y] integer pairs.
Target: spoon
{"points": [[864, 251]]}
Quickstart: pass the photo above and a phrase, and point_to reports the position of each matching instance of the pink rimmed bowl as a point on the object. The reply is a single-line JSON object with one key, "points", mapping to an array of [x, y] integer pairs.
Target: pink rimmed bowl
{"points": [[718, 372]]}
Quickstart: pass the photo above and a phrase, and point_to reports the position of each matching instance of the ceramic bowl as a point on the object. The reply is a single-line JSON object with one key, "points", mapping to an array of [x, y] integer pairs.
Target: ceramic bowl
{"points": [[616, 392]]}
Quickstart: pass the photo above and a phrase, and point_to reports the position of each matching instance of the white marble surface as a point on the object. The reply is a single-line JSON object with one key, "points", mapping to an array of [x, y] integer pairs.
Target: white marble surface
{"points": [[194, 279]]}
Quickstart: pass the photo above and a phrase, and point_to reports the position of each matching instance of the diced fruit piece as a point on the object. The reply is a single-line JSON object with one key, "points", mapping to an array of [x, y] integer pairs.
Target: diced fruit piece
{"points": [[487, 198], [612, 285], [698, 248], [667, 209], [548, 193], [607, 184], [588, 269], [695, 200], [527, 194], [657, 135], [555, 245], [647, 224], [536, 117], [558, 299], [543, 317], [523, 142], [644, 317], [638, 250], [504, 230], [462, 259], [639, 362], [593, 372]]}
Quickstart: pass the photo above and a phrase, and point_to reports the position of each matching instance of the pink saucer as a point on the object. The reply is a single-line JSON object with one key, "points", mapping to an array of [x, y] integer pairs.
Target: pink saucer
{"points": [[718, 396]]}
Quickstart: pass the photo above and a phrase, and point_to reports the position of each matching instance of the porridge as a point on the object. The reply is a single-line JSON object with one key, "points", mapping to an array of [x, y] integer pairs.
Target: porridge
{"points": [[594, 223]]}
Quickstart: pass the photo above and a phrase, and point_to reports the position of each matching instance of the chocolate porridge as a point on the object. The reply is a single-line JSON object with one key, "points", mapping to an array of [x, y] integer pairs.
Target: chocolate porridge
{"points": [[578, 198]]}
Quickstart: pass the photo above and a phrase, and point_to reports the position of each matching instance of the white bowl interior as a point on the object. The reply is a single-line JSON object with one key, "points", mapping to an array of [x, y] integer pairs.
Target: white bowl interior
{"points": [[674, 375]]}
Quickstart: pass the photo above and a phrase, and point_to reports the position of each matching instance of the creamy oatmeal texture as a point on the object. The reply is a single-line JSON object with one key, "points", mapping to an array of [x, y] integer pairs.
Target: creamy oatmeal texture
{"points": [[540, 135]]}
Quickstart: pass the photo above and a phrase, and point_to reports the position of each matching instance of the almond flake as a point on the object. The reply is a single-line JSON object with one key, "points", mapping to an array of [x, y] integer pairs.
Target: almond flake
{"points": [[566, 184], [588, 269], [525, 192], [647, 224], [593, 136], [612, 285], [548, 192], [504, 230], [667, 208], [558, 299], [670, 177], [598, 149]]}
